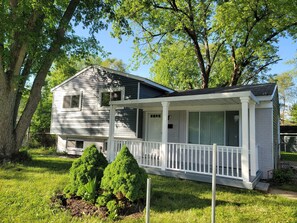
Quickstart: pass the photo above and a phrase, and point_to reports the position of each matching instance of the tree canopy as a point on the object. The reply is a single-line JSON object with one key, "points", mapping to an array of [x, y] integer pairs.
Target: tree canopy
{"points": [[32, 35], [230, 41]]}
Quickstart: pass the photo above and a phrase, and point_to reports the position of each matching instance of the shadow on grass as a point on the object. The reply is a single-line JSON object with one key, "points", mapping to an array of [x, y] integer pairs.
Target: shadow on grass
{"points": [[172, 201], [53, 165]]}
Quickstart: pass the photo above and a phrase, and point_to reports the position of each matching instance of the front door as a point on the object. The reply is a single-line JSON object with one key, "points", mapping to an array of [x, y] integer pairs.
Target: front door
{"points": [[154, 127]]}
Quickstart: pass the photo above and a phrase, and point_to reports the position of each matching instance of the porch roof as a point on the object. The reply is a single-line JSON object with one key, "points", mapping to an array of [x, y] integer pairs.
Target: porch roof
{"points": [[224, 98]]}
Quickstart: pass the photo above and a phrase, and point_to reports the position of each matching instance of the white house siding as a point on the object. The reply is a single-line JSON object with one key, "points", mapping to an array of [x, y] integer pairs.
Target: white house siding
{"points": [[264, 140], [91, 119]]}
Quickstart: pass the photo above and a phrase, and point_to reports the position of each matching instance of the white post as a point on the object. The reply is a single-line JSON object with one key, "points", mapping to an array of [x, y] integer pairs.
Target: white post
{"points": [[214, 173], [110, 148], [254, 154], [165, 106], [245, 139], [148, 199]]}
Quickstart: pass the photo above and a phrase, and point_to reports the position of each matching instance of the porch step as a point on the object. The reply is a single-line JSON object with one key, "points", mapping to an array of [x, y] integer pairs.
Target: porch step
{"points": [[262, 186]]}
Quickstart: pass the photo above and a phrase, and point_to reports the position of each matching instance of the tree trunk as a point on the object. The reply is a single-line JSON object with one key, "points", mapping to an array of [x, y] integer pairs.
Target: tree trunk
{"points": [[8, 142], [237, 71]]}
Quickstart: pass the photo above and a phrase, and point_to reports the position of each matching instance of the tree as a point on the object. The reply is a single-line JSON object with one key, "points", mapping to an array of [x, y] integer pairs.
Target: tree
{"points": [[293, 114], [32, 35], [246, 30], [287, 92]]}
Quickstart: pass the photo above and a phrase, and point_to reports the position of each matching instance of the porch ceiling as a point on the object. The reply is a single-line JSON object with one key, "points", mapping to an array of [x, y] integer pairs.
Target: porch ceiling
{"points": [[183, 101]]}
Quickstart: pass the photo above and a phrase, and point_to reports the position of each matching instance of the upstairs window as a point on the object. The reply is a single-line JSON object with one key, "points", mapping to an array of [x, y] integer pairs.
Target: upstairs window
{"points": [[71, 101], [108, 96]]}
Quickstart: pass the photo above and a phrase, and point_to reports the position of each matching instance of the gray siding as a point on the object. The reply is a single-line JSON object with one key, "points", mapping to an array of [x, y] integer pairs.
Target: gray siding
{"points": [[149, 92], [264, 141], [91, 119]]}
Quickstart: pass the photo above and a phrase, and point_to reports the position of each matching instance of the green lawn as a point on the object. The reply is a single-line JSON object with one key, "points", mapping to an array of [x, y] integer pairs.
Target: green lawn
{"points": [[289, 156], [26, 190]]}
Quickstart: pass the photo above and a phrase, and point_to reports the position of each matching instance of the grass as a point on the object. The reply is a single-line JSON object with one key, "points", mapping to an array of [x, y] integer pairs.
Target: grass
{"points": [[26, 190], [289, 156]]}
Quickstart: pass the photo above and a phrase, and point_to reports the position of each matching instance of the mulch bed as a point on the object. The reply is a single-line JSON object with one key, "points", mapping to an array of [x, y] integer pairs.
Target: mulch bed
{"points": [[80, 208]]}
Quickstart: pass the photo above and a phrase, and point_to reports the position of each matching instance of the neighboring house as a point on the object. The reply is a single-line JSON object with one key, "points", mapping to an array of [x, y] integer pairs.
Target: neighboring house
{"points": [[288, 138], [171, 133]]}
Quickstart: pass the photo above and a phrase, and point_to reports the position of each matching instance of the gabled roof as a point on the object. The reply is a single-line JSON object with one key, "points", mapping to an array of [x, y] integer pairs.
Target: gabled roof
{"points": [[257, 90], [135, 77]]}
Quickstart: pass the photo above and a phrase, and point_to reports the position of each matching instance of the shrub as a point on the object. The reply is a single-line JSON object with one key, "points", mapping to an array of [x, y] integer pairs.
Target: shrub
{"points": [[112, 208], [124, 178], [284, 175], [21, 156], [103, 199], [86, 173]]}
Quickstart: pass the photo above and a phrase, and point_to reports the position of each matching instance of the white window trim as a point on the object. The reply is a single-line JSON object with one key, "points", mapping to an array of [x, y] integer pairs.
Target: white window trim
{"points": [[72, 93], [122, 89]]}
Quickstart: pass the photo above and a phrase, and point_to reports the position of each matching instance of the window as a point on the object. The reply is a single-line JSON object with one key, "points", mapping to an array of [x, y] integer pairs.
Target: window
{"points": [[75, 144], [214, 127], [232, 127], [108, 96], [71, 101]]}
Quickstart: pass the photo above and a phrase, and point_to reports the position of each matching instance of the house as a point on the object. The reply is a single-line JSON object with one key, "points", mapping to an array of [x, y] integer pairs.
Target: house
{"points": [[171, 133], [80, 109]]}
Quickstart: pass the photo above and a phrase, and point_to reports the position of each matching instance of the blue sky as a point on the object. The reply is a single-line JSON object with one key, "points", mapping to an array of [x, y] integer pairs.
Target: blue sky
{"points": [[124, 51]]}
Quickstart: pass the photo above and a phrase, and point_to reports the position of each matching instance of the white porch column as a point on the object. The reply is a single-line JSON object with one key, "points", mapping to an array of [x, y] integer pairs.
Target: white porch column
{"points": [[245, 138], [165, 106], [110, 147], [253, 153]]}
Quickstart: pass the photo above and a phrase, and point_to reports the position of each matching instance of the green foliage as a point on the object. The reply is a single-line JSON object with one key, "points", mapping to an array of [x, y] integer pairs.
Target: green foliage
{"points": [[293, 114], [227, 42], [287, 92], [86, 173], [112, 208], [281, 176], [289, 156], [104, 198], [21, 156], [91, 190], [124, 178]]}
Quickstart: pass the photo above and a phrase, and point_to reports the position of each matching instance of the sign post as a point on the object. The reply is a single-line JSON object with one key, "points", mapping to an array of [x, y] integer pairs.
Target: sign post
{"points": [[214, 173]]}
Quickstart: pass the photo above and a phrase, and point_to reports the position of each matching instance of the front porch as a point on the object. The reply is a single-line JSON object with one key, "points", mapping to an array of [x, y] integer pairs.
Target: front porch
{"points": [[188, 161], [237, 166]]}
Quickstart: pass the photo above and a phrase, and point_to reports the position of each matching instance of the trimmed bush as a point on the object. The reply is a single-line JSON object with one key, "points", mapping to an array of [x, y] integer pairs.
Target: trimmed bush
{"points": [[86, 173], [281, 176], [124, 178]]}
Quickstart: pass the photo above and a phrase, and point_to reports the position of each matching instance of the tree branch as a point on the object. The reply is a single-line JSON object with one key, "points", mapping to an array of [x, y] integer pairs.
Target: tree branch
{"points": [[35, 93], [274, 34]]}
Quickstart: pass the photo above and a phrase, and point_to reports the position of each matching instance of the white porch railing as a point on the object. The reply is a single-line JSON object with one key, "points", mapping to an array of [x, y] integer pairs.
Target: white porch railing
{"points": [[145, 152], [193, 158], [198, 159]]}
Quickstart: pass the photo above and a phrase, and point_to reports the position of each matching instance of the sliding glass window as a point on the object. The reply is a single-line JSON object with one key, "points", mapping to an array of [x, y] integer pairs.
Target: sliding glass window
{"points": [[212, 127]]}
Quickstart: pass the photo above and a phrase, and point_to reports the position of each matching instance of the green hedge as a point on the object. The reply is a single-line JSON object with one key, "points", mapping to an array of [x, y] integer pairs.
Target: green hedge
{"points": [[86, 173]]}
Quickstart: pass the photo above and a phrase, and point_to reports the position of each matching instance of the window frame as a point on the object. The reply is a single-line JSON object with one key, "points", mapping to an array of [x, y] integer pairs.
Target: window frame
{"points": [[76, 141], [224, 125], [71, 95], [110, 91]]}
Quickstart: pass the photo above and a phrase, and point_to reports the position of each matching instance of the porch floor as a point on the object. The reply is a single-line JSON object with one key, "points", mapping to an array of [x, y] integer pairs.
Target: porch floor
{"points": [[206, 178]]}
